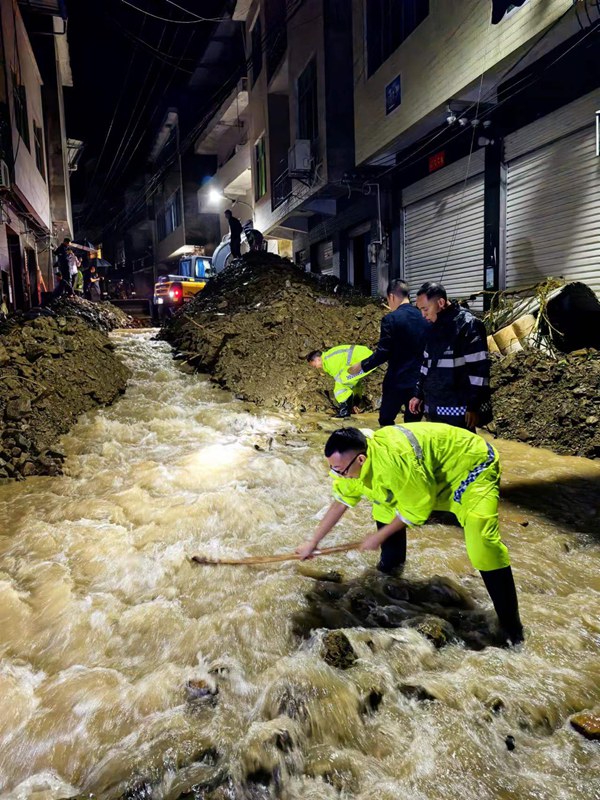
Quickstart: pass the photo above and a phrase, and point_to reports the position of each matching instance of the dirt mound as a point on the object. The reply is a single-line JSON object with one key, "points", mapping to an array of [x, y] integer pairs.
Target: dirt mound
{"points": [[553, 403], [51, 370], [101, 316], [253, 325]]}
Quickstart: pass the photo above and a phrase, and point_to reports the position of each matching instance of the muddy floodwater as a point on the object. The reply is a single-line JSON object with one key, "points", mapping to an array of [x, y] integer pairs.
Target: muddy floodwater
{"points": [[104, 621]]}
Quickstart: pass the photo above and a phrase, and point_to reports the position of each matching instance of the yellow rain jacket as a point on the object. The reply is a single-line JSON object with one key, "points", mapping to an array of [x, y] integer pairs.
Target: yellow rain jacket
{"points": [[336, 362], [416, 468]]}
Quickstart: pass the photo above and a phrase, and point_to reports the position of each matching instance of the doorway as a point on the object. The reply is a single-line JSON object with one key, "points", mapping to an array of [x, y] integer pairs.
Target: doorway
{"points": [[359, 268], [16, 269]]}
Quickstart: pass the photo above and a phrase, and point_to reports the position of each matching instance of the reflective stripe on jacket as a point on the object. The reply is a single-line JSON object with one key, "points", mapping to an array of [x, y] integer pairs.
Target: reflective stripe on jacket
{"points": [[336, 362]]}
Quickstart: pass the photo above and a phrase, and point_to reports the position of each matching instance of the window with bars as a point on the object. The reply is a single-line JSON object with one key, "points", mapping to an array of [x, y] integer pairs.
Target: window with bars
{"points": [[20, 105], [260, 173], [257, 50], [308, 119], [389, 23], [38, 143]]}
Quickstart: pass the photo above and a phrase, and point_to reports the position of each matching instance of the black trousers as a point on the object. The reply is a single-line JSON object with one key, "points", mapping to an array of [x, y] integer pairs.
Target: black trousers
{"points": [[393, 550], [235, 245], [391, 403]]}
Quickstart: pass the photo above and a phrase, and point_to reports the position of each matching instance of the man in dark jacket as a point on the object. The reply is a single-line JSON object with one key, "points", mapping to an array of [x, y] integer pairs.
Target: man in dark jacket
{"points": [[454, 383], [401, 344], [62, 258], [235, 238], [63, 287]]}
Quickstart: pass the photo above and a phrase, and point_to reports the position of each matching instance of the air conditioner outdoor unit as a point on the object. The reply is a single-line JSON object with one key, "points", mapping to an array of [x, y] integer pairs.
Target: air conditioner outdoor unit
{"points": [[4, 175], [299, 158]]}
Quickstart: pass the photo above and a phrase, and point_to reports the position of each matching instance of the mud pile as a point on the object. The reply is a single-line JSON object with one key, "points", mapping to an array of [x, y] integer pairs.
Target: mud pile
{"points": [[252, 327], [51, 370], [100, 316], [553, 403]]}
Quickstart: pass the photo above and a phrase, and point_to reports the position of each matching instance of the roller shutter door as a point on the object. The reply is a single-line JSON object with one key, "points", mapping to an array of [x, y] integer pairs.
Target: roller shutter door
{"points": [[553, 213], [444, 232]]}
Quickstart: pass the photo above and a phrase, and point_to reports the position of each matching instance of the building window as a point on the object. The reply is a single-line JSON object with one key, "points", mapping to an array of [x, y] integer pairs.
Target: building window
{"points": [[161, 230], [308, 120], [173, 213], [38, 142], [257, 50], [20, 104], [260, 163], [389, 23]]}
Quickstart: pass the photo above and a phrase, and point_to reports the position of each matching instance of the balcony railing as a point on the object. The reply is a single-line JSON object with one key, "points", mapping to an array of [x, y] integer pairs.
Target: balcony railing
{"points": [[281, 190]]}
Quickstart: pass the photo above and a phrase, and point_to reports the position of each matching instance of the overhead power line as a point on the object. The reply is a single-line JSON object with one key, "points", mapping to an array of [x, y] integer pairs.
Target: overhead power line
{"points": [[175, 21]]}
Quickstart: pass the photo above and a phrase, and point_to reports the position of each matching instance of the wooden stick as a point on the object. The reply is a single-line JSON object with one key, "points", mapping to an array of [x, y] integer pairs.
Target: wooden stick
{"points": [[325, 551]]}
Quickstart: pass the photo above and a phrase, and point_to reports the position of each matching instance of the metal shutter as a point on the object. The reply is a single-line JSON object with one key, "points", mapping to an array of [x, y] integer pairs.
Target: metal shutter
{"points": [[443, 239], [553, 213]]}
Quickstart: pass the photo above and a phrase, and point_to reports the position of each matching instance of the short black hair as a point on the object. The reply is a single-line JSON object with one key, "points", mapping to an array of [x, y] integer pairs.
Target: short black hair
{"points": [[433, 291], [313, 354], [227, 211], [398, 288], [346, 440], [66, 239]]}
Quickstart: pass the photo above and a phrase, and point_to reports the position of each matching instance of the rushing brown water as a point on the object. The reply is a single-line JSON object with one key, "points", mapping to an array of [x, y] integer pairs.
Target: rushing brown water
{"points": [[103, 621]]}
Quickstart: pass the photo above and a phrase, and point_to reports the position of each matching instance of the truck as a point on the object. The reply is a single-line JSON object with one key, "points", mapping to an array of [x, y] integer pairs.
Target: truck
{"points": [[173, 291]]}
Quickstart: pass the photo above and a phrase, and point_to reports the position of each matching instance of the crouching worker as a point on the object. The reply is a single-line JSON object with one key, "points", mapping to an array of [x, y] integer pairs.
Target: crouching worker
{"points": [[335, 362], [408, 471]]}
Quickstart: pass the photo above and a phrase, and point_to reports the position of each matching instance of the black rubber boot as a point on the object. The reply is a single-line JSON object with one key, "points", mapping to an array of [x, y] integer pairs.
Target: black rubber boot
{"points": [[501, 588], [393, 552], [344, 410]]}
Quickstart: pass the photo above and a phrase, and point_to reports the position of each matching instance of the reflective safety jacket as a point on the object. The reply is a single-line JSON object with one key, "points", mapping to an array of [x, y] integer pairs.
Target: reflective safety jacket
{"points": [[336, 362], [416, 468]]}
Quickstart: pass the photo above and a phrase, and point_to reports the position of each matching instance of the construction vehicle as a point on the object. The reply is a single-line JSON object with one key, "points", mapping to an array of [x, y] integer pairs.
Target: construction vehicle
{"points": [[172, 291]]}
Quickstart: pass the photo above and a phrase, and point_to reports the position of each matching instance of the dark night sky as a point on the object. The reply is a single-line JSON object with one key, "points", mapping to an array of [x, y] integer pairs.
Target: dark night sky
{"points": [[127, 69]]}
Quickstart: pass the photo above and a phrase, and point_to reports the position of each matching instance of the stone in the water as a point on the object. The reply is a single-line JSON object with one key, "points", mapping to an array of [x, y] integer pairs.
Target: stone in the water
{"points": [[330, 576], [200, 690], [437, 630], [337, 651], [587, 723], [510, 742], [414, 692]]}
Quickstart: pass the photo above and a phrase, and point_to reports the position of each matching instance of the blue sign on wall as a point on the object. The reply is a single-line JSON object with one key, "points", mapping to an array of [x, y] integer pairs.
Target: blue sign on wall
{"points": [[393, 95]]}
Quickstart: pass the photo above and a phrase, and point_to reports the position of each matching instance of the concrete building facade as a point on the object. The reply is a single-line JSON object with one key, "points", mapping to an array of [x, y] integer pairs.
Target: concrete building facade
{"points": [[34, 195]]}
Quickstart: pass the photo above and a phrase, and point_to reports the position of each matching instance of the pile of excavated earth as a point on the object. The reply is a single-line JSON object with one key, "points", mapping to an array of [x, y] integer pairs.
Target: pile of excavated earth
{"points": [[54, 365], [252, 327]]}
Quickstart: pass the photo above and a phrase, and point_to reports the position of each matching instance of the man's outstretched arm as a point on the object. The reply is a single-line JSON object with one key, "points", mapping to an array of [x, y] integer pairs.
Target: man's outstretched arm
{"points": [[334, 514]]}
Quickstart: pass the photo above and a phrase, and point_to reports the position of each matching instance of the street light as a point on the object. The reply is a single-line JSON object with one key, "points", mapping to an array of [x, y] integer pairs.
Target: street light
{"points": [[215, 196]]}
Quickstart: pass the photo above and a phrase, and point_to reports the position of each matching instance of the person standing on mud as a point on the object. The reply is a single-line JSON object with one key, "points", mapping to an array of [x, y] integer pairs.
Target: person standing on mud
{"points": [[235, 234], [401, 344], [335, 362], [454, 382], [408, 471], [93, 291]]}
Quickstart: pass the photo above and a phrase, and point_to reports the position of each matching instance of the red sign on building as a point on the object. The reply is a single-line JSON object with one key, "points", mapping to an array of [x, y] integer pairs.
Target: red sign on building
{"points": [[437, 161]]}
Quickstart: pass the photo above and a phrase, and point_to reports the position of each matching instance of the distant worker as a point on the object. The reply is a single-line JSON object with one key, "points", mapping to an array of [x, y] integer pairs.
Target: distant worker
{"points": [[92, 280], [335, 362], [62, 257], [78, 281], [406, 472], [235, 231], [401, 344], [255, 239], [63, 287], [454, 382]]}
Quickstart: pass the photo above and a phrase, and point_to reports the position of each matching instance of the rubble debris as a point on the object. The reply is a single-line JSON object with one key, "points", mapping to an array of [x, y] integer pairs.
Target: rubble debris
{"points": [[53, 369]]}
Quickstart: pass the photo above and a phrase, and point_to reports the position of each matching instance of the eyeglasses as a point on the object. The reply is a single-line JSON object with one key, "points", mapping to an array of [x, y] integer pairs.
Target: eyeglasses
{"points": [[344, 472]]}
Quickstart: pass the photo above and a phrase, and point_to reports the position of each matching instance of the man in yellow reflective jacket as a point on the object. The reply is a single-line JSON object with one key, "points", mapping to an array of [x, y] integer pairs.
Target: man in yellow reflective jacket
{"points": [[406, 472], [335, 362]]}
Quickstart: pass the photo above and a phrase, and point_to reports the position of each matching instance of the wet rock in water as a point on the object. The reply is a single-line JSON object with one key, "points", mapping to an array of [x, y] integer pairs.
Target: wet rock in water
{"points": [[200, 691], [437, 630], [337, 651], [371, 702], [439, 608], [510, 743], [328, 576], [415, 692], [587, 723]]}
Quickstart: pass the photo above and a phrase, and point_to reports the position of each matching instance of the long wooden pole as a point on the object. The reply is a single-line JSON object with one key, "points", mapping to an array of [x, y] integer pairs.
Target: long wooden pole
{"points": [[325, 551]]}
